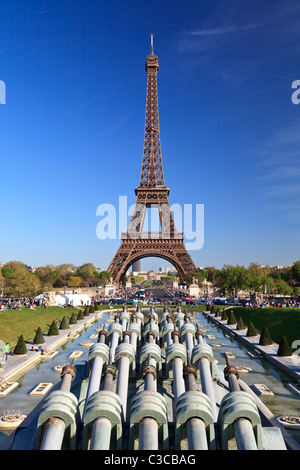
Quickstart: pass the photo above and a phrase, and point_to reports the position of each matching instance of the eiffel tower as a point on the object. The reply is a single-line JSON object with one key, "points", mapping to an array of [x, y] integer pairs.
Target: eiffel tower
{"points": [[151, 192]]}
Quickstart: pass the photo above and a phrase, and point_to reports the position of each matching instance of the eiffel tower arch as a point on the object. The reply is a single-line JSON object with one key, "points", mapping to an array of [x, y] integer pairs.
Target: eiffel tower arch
{"points": [[151, 192], [172, 250]]}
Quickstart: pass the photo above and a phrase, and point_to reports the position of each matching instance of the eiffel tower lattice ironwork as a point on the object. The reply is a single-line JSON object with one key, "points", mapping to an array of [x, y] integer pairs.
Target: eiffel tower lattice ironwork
{"points": [[151, 192]]}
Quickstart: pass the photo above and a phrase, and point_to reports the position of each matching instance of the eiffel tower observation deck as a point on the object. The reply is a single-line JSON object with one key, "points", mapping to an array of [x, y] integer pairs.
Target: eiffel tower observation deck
{"points": [[151, 192]]}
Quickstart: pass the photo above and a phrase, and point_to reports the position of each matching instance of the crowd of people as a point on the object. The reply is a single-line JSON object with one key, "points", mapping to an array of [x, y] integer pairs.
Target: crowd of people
{"points": [[285, 303], [17, 303]]}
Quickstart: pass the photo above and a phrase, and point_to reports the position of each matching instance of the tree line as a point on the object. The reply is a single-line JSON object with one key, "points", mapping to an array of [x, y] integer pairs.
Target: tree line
{"points": [[255, 278], [18, 281]]}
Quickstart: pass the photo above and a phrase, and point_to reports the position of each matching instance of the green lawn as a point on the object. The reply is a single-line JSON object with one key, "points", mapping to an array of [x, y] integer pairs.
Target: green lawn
{"points": [[14, 323], [279, 321]]}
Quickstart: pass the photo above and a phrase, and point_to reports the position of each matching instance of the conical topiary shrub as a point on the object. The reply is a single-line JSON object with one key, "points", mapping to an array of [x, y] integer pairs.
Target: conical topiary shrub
{"points": [[91, 309], [80, 315], [64, 325], [96, 307], [251, 330], [21, 347], [217, 312], [73, 319], [86, 311], [231, 319], [53, 330], [284, 349], [224, 315], [39, 337], [265, 337], [207, 307], [240, 324]]}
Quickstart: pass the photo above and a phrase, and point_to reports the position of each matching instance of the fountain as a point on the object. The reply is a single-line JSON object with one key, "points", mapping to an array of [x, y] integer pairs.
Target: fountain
{"points": [[143, 376]]}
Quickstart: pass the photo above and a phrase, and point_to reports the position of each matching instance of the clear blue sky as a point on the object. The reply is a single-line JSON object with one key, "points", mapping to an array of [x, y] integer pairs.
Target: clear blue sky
{"points": [[72, 127]]}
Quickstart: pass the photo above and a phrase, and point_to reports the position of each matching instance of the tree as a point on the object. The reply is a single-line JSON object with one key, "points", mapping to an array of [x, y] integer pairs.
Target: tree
{"points": [[58, 283], [73, 319], [213, 274], [269, 284], [224, 315], [199, 274], [86, 270], [265, 337], [231, 319], [53, 330], [256, 269], [284, 349], [234, 278], [64, 272], [80, 315], [39, 337], [251, 330], [256, 282], [104, 276], [296, 271], [92, 309], [74, 281], [88, 273], [283, 288], [240, 324], [64, 325], [46, 274], [217, 312], [21, 347], [20, 281], [7, 272]]}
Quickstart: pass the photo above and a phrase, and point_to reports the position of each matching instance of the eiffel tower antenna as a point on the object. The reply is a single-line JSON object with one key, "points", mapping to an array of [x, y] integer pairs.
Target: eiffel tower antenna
{"points": [[152, 191]]}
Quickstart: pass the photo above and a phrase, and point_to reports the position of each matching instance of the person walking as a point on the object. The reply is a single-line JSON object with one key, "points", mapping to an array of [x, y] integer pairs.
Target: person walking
{"points": [[6, 350]]}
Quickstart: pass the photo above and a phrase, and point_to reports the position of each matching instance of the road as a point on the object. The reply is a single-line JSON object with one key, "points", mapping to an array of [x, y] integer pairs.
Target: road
{"points": [[160, 293]]}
